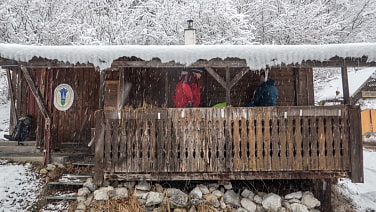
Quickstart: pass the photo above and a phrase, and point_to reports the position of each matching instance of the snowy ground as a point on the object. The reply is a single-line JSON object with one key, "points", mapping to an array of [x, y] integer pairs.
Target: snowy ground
{"points": [[19, 187]]}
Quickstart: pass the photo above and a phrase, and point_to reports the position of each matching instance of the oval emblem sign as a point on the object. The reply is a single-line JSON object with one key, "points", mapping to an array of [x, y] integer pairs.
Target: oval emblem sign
{"points": [[63, 97]]}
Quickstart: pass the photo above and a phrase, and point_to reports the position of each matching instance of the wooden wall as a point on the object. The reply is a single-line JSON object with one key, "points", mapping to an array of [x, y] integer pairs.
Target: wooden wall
{"points": [[71, 127]]}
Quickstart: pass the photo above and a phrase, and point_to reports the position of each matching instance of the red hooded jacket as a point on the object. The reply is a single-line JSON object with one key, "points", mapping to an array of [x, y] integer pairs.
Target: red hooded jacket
{"points": [[187, 90]]}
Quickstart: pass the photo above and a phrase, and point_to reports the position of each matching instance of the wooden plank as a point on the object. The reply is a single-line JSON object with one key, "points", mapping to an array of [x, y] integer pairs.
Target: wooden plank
{"points": [[236, 144], [13, 115], [321, 144], [337, 145], [107, 145], [115, 146], [314, 144], [259, 143], [228, 139], [298, 145], [252, 141], [345, 136], [99, 148], [266, 175], [123, 146], [356, 146], [329, 144], [267, 140], [373, 120], [244, 142], [305, 143], [279, 157], [290, 144]]}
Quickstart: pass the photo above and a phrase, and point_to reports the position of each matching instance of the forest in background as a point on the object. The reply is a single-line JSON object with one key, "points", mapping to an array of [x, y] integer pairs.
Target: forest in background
{"points": [[162, 22]]}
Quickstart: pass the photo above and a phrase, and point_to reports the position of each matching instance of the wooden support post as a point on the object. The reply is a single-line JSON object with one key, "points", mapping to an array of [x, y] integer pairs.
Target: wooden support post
{"points": [[356, 145], [228, 89], [46, 114], [345, 86], [102, 88], [13, 114]]}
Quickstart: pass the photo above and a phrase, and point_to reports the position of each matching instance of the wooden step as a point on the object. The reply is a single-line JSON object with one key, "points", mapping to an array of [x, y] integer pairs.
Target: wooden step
{"points": [[71, 184], [50, 198], [83, 164]]}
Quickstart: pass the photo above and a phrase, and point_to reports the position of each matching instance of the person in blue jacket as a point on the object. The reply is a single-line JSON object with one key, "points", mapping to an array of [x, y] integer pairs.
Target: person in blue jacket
{"points": [[266, 94]]}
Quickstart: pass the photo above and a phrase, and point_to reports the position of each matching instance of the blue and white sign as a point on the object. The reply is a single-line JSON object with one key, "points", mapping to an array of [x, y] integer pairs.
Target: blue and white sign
{"points": [[63, 97]]}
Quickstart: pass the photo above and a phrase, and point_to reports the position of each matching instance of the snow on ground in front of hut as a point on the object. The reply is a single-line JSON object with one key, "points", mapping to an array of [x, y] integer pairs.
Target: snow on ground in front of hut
{"points": [[19, 187]]}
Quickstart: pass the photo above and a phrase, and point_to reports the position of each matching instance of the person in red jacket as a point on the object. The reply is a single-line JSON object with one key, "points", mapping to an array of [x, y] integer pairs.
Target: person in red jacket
{"points": [[187, 93]]}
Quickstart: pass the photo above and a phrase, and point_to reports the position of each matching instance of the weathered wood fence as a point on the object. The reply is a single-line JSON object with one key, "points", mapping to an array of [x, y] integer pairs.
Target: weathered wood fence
{"points": [[228, 143]]}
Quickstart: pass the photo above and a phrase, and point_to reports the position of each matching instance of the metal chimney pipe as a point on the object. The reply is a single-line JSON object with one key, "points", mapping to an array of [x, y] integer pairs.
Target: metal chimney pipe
{"points": [[190, 34]]}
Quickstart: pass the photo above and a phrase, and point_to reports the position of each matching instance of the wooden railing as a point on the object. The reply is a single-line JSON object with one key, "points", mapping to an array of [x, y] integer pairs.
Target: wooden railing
{"points": [[229, 143]]}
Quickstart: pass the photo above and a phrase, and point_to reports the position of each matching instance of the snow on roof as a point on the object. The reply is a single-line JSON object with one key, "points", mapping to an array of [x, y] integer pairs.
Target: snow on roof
{"points": [[356, 79], [256, 56]]}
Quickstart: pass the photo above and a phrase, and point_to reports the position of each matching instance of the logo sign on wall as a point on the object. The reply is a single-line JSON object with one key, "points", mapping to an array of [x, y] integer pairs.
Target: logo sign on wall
{"points": [[63, 97]]}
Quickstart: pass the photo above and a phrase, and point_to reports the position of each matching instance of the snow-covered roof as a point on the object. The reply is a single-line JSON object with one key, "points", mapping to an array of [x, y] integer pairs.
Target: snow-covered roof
{"points": [[256, 56], [356, 79]]}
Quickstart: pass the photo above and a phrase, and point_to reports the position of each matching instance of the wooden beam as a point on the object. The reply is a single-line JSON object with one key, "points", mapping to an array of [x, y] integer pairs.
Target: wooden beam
{"points": [[255, 175], [345, 85], [46, 114], [356, 145], [238, 77], [228, 89], [12, 98], [216, 76], [38, 96]]}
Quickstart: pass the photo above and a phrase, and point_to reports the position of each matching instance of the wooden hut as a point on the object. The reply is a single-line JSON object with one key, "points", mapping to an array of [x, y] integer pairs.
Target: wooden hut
{"points": [[141, 136]]}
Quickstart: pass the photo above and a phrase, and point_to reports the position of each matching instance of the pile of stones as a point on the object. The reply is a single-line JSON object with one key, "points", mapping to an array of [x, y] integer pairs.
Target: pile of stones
{"points": [[215, 196]]}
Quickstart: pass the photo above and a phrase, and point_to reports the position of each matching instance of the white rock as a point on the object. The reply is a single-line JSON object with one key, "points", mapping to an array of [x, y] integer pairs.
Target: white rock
{"points": [[141, 194], [246, 193], [101, 194], [228, 186], [296, 207], [143, 186], [89, 199], [81, 206], [212, 199], [177, 197], [196, 193], [291, 201], [295, 195], [121, 193], [83, 192], [310, 201], [241, 210], [111, 191], [257, 199], [248, 204], [154, 198], [218, 193], [43, 171], [272, 202], [231, 198], [90, 185], [50, 167], [204, 189]]}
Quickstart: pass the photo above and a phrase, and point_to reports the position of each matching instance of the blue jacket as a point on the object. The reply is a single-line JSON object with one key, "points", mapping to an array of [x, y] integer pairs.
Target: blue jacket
{"points": [[266, 94]]}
